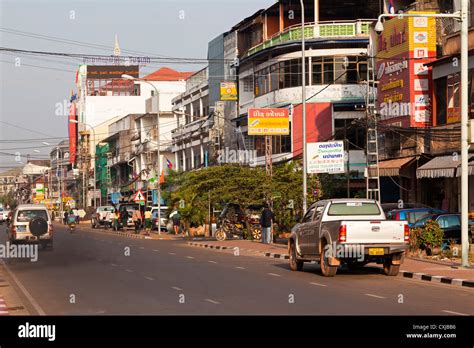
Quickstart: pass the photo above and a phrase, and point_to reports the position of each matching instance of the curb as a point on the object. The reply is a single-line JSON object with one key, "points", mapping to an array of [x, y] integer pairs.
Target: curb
{"points": [[122, 234], [261, 253], [3, 307], [437, 279], [404, 274]]}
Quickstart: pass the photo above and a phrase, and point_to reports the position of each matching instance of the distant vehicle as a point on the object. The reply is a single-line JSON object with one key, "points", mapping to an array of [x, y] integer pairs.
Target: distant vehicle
{"points": [[351, 231], [128, 208], [31, 223], [449, 223], [393, 206], [102, 216], [412, 214], [163, 217]]}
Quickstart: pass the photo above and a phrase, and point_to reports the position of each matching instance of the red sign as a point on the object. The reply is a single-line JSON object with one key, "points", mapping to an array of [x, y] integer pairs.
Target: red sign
{"points": [[139, 197], [72, 134]]}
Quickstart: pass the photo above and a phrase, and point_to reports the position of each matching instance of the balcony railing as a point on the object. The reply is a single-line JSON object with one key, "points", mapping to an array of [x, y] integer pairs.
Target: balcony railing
{"points": [[316, 30]]}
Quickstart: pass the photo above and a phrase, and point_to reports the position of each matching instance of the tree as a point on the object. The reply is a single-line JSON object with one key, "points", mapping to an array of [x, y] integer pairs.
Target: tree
{"points": [[232, 183]]}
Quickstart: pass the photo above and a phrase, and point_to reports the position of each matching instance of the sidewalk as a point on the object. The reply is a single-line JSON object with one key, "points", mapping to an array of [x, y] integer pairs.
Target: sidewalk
{"points": [[427, 270], [130, 233]]}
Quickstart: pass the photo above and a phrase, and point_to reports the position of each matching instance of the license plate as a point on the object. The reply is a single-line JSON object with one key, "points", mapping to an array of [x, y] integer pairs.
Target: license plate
{"points": [[21, 229], [376, 251]]}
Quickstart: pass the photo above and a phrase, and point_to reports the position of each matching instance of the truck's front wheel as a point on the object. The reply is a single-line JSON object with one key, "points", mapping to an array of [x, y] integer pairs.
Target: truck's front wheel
{"points": [[295, 265], [389, 268], [326, 269]]}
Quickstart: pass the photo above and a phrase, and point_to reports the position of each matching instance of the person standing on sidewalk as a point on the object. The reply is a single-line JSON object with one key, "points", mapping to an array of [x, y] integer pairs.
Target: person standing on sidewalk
{"points": [[266, 221], [148, 225], [137, 220], [176, 218]]}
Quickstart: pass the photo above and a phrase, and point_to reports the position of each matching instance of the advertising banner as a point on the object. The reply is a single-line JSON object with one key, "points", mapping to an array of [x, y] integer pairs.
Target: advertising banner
{"points": [[229, 91], [268, 121], [325, 157]]}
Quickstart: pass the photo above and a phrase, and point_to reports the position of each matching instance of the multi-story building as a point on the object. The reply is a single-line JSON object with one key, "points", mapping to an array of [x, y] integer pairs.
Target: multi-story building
{"points": [[191, 136], [7, 181], [104, 97]]}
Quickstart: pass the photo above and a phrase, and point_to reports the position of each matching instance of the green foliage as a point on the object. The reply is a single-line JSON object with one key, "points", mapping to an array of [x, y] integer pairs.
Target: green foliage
{"points": [[9, 200], [415, 235], [238, 184], [432, 236]]}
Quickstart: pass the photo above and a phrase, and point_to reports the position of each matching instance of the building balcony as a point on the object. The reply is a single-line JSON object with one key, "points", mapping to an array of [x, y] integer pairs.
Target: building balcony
{"points": [[346, 29]]}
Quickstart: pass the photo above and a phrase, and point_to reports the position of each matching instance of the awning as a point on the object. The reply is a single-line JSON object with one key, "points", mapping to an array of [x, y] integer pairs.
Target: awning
{"points": [[392, 167], [470, 168], [440, 167]]}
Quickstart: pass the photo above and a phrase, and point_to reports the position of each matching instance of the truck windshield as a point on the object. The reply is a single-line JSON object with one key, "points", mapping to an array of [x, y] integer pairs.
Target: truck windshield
{"points": [[354, 208]]}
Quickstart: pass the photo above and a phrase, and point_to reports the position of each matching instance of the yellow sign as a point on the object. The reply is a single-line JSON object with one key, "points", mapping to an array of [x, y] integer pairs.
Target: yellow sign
{"points": [[393, 84], [268, 121], [229, 91]]}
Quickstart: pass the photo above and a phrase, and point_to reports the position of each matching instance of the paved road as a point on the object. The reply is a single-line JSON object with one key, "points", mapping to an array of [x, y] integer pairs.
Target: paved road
{"points": [[170, 277]]}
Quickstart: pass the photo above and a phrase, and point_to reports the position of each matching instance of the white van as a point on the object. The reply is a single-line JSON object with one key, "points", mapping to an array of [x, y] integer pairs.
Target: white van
{"points": [[31, 223]]}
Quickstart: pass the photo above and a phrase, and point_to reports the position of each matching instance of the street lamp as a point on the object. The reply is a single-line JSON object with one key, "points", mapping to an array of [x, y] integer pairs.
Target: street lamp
{"points": [[59, 159], [461, 16], [95, 177], [303, 97], [157, 96]]}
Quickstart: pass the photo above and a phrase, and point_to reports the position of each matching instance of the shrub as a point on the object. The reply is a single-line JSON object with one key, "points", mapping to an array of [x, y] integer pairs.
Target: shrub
{"points": [[415, 238], [431, 237]]}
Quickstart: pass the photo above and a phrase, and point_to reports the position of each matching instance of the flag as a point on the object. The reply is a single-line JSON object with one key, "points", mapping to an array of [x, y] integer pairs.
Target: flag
{"points": [[391, 7], [73, 96], [169, 164], [162, 177]]}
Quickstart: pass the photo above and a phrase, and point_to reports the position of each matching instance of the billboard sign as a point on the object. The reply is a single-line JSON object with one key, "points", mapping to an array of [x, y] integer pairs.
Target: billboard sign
{"points": [[106, 72], [405, 45], [229, 91], [325, 157], [268, 121]]}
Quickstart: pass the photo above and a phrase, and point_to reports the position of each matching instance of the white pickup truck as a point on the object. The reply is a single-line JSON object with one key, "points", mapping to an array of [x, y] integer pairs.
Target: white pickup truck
{"points": [[350, 231]]}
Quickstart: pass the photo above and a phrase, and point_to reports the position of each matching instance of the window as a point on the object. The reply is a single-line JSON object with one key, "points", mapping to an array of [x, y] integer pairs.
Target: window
{"points": [[319, 212], [28, 215], [449, 221], [353, 208], [309, 214], [441, 106]]}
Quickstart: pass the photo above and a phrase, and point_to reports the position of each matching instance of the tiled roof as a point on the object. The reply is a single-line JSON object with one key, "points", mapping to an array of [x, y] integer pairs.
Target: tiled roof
{"points": [[168, 74]]}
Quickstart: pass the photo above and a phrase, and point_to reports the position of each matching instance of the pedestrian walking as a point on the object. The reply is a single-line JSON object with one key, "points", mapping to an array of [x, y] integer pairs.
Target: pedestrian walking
{"points": [[65, 217], [137, 220], [266, 221], [176, 218]]}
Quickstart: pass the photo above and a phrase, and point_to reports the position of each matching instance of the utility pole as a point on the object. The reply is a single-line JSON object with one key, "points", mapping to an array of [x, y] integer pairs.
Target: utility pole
{"points": [[303, 97]]}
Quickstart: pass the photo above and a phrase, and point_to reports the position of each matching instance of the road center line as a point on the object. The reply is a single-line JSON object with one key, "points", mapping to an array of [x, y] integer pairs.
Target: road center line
{"points": [[155, 250], [190, 257], [274, 274], [128, 270], [176, 288], [457, 313], [212, 261], [211, 301], [149, 278], [238, 267], [172, 253], [113, 264], [142, 248], [376, 296], [317, 284]]}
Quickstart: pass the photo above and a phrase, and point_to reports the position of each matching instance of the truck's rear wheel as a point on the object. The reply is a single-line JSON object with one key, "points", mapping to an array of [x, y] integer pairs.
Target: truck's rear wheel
{"points": [[326, 269], [389, 268], [295, 265]]}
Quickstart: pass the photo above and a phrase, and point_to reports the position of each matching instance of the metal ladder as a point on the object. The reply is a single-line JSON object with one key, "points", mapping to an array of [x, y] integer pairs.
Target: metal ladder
{"points": [[372, 150]]}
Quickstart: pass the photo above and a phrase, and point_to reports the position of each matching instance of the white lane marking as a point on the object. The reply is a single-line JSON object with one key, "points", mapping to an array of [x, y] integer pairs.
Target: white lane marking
{"points": [[176, 288], [113, 264], [155, 250], [212, 261], [149, 278], [172, 253], [457, 313], [376, 296], [190, 257], [211, 301], [30, 298], [128, 270], [142, 248], [273, 274], [238, 267], [99, 260], [317, 284]]}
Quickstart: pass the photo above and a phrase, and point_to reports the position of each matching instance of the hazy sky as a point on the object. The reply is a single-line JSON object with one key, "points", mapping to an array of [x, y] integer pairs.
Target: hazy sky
{"points": [[31, 87]]}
